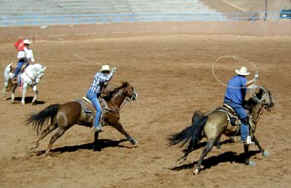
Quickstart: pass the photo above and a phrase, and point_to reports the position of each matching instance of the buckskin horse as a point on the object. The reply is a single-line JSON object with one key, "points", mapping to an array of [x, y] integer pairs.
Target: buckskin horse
{"points": [[63, 116], [215, 123]]}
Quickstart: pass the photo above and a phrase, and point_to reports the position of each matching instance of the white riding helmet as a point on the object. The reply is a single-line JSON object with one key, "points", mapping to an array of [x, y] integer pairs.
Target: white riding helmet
{"points": [[105, 68], [26, 41]]}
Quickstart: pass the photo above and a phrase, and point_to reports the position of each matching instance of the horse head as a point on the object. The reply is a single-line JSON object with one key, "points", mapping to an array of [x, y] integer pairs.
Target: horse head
{"points": [[38, 71], [264, 96], [129, 91], [121, 93]]}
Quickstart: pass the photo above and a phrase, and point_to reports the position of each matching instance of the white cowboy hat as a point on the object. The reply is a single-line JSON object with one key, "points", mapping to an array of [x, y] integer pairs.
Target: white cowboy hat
{"points": [[26, 41], [105, 68], [242, 71]]}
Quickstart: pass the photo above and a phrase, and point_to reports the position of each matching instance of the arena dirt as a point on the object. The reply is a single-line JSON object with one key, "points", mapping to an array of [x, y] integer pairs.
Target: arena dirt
{"points": [[171, 67]]}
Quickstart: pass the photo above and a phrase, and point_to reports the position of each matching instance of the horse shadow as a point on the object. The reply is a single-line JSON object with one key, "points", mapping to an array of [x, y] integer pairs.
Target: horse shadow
{"points": [[203, 144], [98, 146], [226, 157], [28, 100]]}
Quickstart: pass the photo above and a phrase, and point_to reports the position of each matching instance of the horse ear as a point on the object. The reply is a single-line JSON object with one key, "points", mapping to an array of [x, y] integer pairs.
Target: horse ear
{"points": [[125, 84]]}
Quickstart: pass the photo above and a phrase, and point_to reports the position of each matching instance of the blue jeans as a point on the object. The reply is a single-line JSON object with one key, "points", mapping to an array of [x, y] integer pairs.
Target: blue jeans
{"points": [[94, 99], [20, 63], [242, 114]]}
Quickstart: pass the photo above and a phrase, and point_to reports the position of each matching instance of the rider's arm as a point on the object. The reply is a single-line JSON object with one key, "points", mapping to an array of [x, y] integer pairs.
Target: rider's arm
{"points": [[29, 55], [253, 80]]}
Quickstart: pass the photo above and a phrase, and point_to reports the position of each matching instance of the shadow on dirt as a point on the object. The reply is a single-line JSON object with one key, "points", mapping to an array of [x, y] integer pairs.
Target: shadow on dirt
{"points": [[226, 157], [28, 100], [101, 144]]}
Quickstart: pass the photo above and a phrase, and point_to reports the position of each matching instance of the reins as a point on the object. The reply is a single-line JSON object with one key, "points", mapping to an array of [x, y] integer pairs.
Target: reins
{"points": [[259, 114]]}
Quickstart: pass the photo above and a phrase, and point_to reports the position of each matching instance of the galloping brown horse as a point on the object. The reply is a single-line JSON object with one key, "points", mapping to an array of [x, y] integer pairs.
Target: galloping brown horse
{"points": [[64, 116], [213, 124]]}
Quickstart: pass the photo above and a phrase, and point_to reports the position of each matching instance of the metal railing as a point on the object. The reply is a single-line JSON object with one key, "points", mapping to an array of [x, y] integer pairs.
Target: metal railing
{"points": [[34, 19]]}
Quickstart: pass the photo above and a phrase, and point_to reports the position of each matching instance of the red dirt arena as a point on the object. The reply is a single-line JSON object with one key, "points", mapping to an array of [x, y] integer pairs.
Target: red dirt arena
{"points": [[174, 70]]}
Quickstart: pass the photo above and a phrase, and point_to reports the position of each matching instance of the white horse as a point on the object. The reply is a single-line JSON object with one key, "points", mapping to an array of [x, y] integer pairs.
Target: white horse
{"points": [[30, 77]]}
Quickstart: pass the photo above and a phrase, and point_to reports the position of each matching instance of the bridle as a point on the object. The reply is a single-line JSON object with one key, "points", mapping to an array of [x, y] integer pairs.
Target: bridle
{"points": [[262, 108], [129, 99]]}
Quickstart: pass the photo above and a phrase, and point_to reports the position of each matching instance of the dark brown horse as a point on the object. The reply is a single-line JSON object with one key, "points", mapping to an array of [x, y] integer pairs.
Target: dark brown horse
{"points": [[215, 123], [63, 116]]}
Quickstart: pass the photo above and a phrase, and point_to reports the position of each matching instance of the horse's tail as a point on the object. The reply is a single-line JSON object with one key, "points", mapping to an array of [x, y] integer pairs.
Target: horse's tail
{"points": [[7, 85], [37, 120], [191, 134], [7, 70]]}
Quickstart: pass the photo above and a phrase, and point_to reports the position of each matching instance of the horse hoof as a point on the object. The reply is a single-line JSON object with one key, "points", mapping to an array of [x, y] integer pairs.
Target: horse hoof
{"points": [[266, 154], [196, 171], [133, 141], [251, 163]]}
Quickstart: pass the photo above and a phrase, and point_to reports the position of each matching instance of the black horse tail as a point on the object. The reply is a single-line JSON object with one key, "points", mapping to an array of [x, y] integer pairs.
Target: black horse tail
{"points": [[191, 134], [37, 120]]}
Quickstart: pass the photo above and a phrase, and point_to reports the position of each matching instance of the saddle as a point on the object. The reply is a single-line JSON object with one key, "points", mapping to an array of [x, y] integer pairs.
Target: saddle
{"points": [[13, 67], [231, 114], [17, 80], [89, 112]]}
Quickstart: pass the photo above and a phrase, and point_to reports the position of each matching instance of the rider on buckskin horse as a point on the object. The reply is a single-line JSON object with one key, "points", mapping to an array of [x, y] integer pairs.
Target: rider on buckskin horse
{"points": [[24, 56], [101, 79], [235, 97]]}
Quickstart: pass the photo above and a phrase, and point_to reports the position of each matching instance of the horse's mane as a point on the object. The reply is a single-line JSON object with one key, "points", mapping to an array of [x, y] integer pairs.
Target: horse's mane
{"points": [[111, 93], [251, 102]]}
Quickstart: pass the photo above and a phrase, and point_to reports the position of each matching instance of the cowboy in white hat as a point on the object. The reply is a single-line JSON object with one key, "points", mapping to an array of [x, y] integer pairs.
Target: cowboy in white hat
{"points": [[24, 56], [101, 79], [235, 96]]}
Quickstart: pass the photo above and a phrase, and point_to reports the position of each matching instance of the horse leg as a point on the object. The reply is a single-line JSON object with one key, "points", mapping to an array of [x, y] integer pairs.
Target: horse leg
{"points": [[264, 153], [206, 150], [5, 87], [95, 146], [247, 157], [217, 143], [24, 88], [120, 128], [60, 131], [13, 93], [43, 134], [35, 91]]}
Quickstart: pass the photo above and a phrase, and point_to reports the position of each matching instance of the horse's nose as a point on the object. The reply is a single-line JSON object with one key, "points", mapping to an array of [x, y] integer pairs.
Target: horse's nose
{"points": [[135, 95]]}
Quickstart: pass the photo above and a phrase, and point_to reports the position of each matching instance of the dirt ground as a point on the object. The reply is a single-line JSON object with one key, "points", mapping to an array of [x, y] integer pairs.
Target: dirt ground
{"points": [[172, 71]]}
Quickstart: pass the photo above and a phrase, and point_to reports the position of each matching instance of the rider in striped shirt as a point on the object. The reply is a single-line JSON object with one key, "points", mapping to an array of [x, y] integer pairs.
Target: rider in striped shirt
{"points": [[100, 80]]}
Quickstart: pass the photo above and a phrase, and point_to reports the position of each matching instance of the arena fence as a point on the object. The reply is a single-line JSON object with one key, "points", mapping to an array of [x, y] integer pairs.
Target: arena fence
{"points": [[31, 19]]}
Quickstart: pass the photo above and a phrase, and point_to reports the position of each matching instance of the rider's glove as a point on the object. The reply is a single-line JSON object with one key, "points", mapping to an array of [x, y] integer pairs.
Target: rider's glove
{"points": [[256, 77]]}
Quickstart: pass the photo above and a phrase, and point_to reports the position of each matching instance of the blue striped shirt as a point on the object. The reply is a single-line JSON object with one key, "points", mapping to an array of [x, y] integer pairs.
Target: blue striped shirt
{"points": [[99, 81]]}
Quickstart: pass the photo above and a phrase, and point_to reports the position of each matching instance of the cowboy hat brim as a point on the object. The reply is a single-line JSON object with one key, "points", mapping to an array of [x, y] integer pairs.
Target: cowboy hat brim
{"points": [[242, 73]]}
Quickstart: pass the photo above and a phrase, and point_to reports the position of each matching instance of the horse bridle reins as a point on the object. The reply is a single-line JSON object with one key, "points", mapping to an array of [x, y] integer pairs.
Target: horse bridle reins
{"points": [[261, 109], [128, 99]]}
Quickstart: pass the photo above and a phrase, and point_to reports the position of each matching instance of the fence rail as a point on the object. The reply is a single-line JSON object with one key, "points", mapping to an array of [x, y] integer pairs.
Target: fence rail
{"points": [[36, 19]]}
